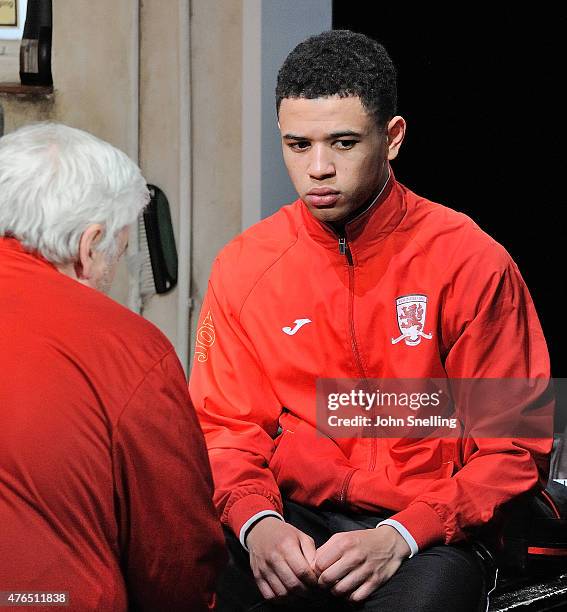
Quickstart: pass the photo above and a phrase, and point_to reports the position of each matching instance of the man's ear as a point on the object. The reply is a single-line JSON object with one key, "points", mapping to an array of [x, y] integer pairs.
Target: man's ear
{"points": [[90, 239], [396, 130]]}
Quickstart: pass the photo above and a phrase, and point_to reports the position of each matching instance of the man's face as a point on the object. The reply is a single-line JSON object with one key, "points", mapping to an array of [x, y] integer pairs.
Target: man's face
{"points": [[335, 154], [104, 268]]}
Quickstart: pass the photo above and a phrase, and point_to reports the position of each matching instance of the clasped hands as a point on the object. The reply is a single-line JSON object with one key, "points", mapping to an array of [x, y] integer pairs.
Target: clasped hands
{"points": [[351, 564]]}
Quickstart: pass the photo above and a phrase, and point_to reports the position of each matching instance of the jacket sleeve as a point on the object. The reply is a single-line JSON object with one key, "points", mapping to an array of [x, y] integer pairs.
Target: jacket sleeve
{"points": [[496, 335], [172, 545], [238, 411]]}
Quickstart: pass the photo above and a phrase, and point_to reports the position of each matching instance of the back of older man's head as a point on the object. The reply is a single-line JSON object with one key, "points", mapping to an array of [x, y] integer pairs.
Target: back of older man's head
{"points": [[55, 181]]}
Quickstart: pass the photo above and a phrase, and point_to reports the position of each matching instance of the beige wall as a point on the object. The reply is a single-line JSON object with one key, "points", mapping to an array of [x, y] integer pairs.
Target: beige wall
{"points": [[95, 77], [216, 64], [21, 110], [160, 137], [9, 60], [214, 170], [93, 70]]}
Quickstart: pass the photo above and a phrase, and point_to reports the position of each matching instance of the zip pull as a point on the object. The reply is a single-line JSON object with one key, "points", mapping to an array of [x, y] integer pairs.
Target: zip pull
{"points": [[342, 246]]}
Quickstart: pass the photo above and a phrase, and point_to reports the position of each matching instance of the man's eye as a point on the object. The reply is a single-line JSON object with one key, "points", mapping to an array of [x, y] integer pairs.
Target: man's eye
{"points": [[299, 146], [346, 144]]}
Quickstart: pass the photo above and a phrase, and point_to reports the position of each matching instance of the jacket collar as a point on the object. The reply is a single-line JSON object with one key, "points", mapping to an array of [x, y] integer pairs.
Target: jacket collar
{"points": [[368, 228], [13, 247]]}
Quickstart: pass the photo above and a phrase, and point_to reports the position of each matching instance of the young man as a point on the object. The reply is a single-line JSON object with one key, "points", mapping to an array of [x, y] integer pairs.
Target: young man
{"points": [[314, 292], [105, 485]]}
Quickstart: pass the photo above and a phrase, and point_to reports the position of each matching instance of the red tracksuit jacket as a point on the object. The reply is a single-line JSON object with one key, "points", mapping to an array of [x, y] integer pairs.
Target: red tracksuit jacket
{"points": [[105, 486], [480, 322]]}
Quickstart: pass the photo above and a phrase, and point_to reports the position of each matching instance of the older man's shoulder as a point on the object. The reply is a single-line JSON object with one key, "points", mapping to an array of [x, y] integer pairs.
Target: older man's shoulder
{"points": [[116, 327]]}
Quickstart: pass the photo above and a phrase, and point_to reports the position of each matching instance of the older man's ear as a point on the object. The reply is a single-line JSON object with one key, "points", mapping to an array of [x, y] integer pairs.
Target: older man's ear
{"points": [[85, 266]]}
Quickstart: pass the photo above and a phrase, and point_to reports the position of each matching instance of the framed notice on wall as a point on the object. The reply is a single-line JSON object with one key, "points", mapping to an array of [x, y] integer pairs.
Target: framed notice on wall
{"points": [[9, 13]]}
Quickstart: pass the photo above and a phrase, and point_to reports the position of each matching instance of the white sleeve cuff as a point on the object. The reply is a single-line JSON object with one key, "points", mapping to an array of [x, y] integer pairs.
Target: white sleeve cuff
{"points": [[251, 521], [406, 535]]}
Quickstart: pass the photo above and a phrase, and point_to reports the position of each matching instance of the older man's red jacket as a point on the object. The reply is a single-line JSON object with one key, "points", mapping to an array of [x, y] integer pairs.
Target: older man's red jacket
{"points": [[105, 487], [290, 301]]}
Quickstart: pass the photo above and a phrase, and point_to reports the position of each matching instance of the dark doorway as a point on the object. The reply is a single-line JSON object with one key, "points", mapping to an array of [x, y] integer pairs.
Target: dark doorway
{"points": [[481, 91]]}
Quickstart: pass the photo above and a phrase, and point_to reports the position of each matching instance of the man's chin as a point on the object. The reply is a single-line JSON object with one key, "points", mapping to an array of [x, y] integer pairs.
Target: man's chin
{"points": [[329, 214]]}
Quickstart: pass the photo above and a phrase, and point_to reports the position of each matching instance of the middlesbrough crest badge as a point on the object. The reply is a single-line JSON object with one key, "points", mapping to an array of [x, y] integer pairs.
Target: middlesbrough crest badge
{"points": [[411, 311]]}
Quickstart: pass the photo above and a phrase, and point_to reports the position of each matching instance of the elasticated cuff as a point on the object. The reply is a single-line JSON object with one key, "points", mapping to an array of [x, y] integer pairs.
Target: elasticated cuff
{"points": [[424, 524], [245, 508]]}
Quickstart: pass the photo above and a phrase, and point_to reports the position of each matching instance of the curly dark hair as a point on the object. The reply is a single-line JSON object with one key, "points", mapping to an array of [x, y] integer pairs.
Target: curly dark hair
{"points": [[344, 63]]}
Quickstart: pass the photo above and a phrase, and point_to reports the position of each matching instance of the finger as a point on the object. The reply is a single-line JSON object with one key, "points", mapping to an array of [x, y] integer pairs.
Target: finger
{"points": [[337, 571], [300, 566], [288, 577], [328, 554], [265, 589], [364, 590], [308, 549], [275, 584], [350, 583]]}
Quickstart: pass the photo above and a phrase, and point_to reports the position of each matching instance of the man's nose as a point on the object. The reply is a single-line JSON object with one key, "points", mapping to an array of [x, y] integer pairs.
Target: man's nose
{"points": [[321, 163]]}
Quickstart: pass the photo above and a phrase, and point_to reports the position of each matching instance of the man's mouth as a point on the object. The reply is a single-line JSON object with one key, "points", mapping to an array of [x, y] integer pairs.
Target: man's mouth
{"points": [[322, 197]]}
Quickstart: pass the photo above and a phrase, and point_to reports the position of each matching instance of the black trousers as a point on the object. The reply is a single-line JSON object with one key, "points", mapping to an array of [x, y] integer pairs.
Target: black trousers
{"points": [[441, 578]]}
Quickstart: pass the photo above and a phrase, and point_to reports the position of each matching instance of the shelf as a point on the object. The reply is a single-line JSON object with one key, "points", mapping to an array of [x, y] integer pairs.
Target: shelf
{"points": [[25, 91]]}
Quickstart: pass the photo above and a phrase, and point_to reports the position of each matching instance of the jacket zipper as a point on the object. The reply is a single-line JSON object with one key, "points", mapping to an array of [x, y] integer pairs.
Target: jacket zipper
{"points": [[344, 249]]}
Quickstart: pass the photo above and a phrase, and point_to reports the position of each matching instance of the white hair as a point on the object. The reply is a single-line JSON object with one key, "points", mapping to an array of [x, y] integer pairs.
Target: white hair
{"points": [[55, 181]]}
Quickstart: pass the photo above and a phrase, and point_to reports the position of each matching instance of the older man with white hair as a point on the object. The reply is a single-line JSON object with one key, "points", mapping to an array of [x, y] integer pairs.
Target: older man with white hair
{"points": [[105, 486]]}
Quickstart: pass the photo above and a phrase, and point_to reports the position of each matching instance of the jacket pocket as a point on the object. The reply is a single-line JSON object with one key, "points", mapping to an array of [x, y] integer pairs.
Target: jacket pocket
{"points": [[309, 468]]}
